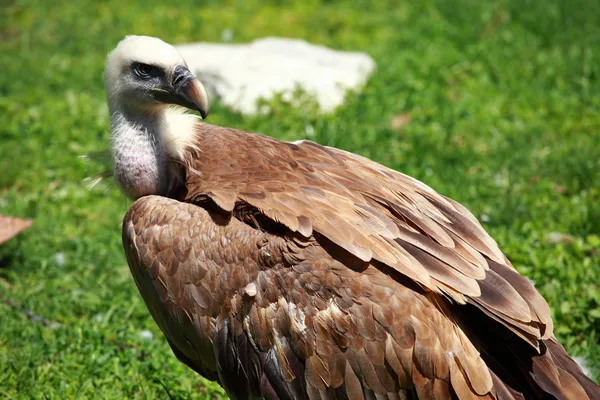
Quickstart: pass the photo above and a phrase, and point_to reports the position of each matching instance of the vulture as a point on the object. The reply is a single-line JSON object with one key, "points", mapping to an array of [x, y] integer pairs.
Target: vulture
{"points": [[293, 270]]}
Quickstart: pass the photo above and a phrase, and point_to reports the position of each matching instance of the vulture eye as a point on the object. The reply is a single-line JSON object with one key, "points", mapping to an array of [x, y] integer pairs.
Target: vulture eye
{"points": [[143, 70]]}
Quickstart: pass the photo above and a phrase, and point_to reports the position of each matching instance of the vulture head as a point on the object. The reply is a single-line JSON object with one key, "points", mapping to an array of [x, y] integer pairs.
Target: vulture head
{"points": [[149, 86], [146, 74]]}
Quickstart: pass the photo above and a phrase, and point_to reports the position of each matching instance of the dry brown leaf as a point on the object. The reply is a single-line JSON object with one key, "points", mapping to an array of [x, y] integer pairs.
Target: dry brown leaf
{"points": [[560, 189], [399, 121], [11, 227], [559, 238]]}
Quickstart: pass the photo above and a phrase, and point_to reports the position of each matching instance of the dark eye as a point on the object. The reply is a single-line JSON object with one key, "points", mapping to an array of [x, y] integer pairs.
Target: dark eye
{"points": [[143, 69]]}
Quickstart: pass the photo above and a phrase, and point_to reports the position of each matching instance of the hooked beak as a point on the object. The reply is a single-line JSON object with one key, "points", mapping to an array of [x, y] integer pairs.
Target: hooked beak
{"points": [[185, 90]]}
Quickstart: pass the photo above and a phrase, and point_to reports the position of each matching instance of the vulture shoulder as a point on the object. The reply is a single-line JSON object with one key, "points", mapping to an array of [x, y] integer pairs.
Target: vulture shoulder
{"points": [[299, 271]]}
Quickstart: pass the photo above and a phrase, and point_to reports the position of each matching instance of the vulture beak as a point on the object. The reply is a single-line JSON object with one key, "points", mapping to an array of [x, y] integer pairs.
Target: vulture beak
{"points": [[184, 90]]}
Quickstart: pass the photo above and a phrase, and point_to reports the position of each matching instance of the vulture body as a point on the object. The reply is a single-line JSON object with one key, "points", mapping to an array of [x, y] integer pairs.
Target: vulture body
{"points": [[299, 271]]}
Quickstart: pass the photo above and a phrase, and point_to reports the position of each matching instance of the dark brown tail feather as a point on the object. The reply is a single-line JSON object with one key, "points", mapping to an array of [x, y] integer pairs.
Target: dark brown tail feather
{"points": [[502, 391], [518, 370], [574, 383], [554, 378]]}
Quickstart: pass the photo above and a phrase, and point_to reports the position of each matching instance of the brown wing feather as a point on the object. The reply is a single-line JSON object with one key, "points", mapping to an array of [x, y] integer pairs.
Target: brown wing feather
{"points": [[369, 210]]}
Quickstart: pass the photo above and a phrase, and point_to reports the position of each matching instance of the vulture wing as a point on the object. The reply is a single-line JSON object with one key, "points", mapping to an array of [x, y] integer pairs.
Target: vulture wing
{"points": [[371, 211], [294, 270]]}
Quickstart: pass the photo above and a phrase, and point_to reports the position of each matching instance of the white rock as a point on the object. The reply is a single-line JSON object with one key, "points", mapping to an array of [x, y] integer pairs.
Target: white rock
{"points": [[146, 334], [98, 317], [240, 74], [583, 365], [227, 35], [559, 238], [60, 259]]}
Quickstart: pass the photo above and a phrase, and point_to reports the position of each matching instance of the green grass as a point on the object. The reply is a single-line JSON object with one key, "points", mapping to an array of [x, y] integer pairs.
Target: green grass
{"points": [[504, 104]]}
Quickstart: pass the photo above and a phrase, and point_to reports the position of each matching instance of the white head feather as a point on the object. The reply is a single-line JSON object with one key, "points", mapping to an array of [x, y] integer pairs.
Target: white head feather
{"points": [[141, 49], [146, 133]]}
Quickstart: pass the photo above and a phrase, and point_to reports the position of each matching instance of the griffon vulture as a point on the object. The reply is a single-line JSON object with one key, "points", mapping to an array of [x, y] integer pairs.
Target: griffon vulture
{"points": [[299, 271]]}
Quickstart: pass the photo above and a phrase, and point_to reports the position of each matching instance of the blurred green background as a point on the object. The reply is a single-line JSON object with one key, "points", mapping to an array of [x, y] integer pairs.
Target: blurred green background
{"points": [[502, 101]]}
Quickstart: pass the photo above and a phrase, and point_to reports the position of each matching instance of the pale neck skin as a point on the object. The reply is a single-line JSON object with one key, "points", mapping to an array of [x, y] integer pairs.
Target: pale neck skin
{"points": [[147, 143], [140, 163]]}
